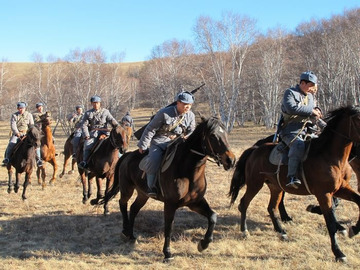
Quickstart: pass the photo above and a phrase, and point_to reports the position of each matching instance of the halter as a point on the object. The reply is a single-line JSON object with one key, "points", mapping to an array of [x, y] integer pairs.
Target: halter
{"points": [[212, 154], [349, 132], [113, 141]]}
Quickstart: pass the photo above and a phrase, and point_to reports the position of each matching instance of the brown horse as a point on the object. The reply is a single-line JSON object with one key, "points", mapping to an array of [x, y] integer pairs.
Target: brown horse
{"points": [[68, 151], [47, 150], [183, 182], [354, 161], [326, 174], [101, 162], [23, 159]]}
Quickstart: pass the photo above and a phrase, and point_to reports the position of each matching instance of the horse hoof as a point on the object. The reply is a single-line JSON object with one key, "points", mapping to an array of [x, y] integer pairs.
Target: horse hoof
{"points": [[341, 259], [351, 232], [9, 190], [283, 237], [61, 175], [245, 234], [94, 201], [106, 213], [71, 172], [343, 233], [168, 260], [16, 189]]}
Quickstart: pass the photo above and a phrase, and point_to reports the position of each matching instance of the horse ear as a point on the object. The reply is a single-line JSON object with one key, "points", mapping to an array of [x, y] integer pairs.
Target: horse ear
{"points": [[202, 117]]}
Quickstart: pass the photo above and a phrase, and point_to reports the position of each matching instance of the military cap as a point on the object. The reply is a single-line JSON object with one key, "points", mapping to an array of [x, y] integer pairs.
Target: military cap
{"points": [[308, 76], [78, 107], [186, 97], [21, 104], [39, 104], [95, 99]]}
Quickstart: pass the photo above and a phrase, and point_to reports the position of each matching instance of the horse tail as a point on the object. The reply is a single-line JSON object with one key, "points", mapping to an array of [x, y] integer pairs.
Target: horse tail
{"points": [[115, 187], [238, 179]]}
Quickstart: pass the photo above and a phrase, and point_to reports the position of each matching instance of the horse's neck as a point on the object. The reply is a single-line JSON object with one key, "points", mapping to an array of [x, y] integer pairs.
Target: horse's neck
{"points": [[48, 135], [340, 148]]}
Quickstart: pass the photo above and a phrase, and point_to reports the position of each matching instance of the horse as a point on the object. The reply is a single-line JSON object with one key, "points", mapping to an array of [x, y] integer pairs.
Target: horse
{"points": [[354, 161], [68, 152], [23, 159], [326, 173], [47, 150], [182, 182], [101, 163]]}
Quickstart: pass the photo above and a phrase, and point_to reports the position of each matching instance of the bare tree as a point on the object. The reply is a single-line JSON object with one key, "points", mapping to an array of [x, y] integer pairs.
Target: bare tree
{"points": [[226, 44]]}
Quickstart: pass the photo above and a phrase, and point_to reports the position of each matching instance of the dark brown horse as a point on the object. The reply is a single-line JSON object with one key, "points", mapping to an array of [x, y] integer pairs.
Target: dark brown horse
{"points": [[354, 161], [326, 174], [23, 159], [102, 161], [183, 183], [68, 152], [47, 150]]}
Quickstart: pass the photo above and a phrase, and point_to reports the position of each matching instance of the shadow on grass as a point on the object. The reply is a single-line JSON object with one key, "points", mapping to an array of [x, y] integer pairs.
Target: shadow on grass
{"points": [[58, 232]]}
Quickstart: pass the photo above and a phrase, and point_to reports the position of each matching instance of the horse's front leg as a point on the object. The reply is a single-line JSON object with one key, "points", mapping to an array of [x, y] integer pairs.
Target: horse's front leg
{"points": [[349, 194], [84, 182], [169, 213], [275, 200], [9, 179], [17, 180], [55, 168], [26, 183], [325, 202], [202, 207]]}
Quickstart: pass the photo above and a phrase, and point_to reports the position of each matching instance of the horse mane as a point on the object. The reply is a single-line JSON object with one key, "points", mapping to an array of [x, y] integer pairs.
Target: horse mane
{"points": [[209, 124], [34, 134], [332, 119]]}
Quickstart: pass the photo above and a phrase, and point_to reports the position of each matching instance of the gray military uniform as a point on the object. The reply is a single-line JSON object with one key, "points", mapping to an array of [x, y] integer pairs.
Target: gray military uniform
{"points": [[296, 108], [76, 120], [159, 132], [19, 124], [93, 124]]}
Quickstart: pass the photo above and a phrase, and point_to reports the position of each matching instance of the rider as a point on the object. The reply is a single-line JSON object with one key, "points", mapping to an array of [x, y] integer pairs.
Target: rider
{"points": [[20, 122], [38, 113], [76, 121], [93, 124], [297, 109], [168, 123], [127, 120]]}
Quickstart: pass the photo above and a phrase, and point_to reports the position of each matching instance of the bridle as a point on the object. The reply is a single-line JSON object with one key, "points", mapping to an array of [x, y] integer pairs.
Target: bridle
{"points": [[208, 150]]}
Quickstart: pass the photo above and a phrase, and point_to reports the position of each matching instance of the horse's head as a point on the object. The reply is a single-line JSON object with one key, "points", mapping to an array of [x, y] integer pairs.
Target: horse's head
{"points": [[34, 136], [46, 118], [119, 138], [215, 142]]}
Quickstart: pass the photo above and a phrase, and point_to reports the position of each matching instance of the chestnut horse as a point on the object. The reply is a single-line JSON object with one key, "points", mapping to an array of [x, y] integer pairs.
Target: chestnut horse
{"points": [[102, 160], [47, 150], [354, 161], [68, 151], [23, 159], [183, 182], [326, 173]]}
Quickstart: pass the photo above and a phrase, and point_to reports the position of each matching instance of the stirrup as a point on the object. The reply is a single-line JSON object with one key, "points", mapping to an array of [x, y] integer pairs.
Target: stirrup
{"points": [[39, 163]]}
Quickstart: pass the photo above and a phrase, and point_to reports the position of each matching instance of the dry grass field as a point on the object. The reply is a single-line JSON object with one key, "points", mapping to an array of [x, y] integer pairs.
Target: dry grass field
{"points": [[54, 230]]}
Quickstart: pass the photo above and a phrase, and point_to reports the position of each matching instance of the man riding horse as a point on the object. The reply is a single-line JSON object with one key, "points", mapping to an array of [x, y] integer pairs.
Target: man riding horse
{"points": [[297, 107], [20, 122], [168, 123], [94, 125]]}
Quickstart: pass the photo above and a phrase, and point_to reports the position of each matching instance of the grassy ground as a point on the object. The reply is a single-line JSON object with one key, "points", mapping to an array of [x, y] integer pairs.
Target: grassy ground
{"points": [[54, 230]]}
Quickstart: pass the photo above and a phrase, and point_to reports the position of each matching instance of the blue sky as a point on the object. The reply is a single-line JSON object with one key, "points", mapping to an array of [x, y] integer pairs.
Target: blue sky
{"points": [[55, 27]]}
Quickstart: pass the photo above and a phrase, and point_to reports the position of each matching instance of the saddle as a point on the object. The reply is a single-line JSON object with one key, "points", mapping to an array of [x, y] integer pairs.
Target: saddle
{"points": [[279, 154], [167, 159]]}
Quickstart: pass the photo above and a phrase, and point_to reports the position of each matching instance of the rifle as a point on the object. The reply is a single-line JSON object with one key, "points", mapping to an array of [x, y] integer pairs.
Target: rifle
{"points": [[279, 124], [140, 131]]}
